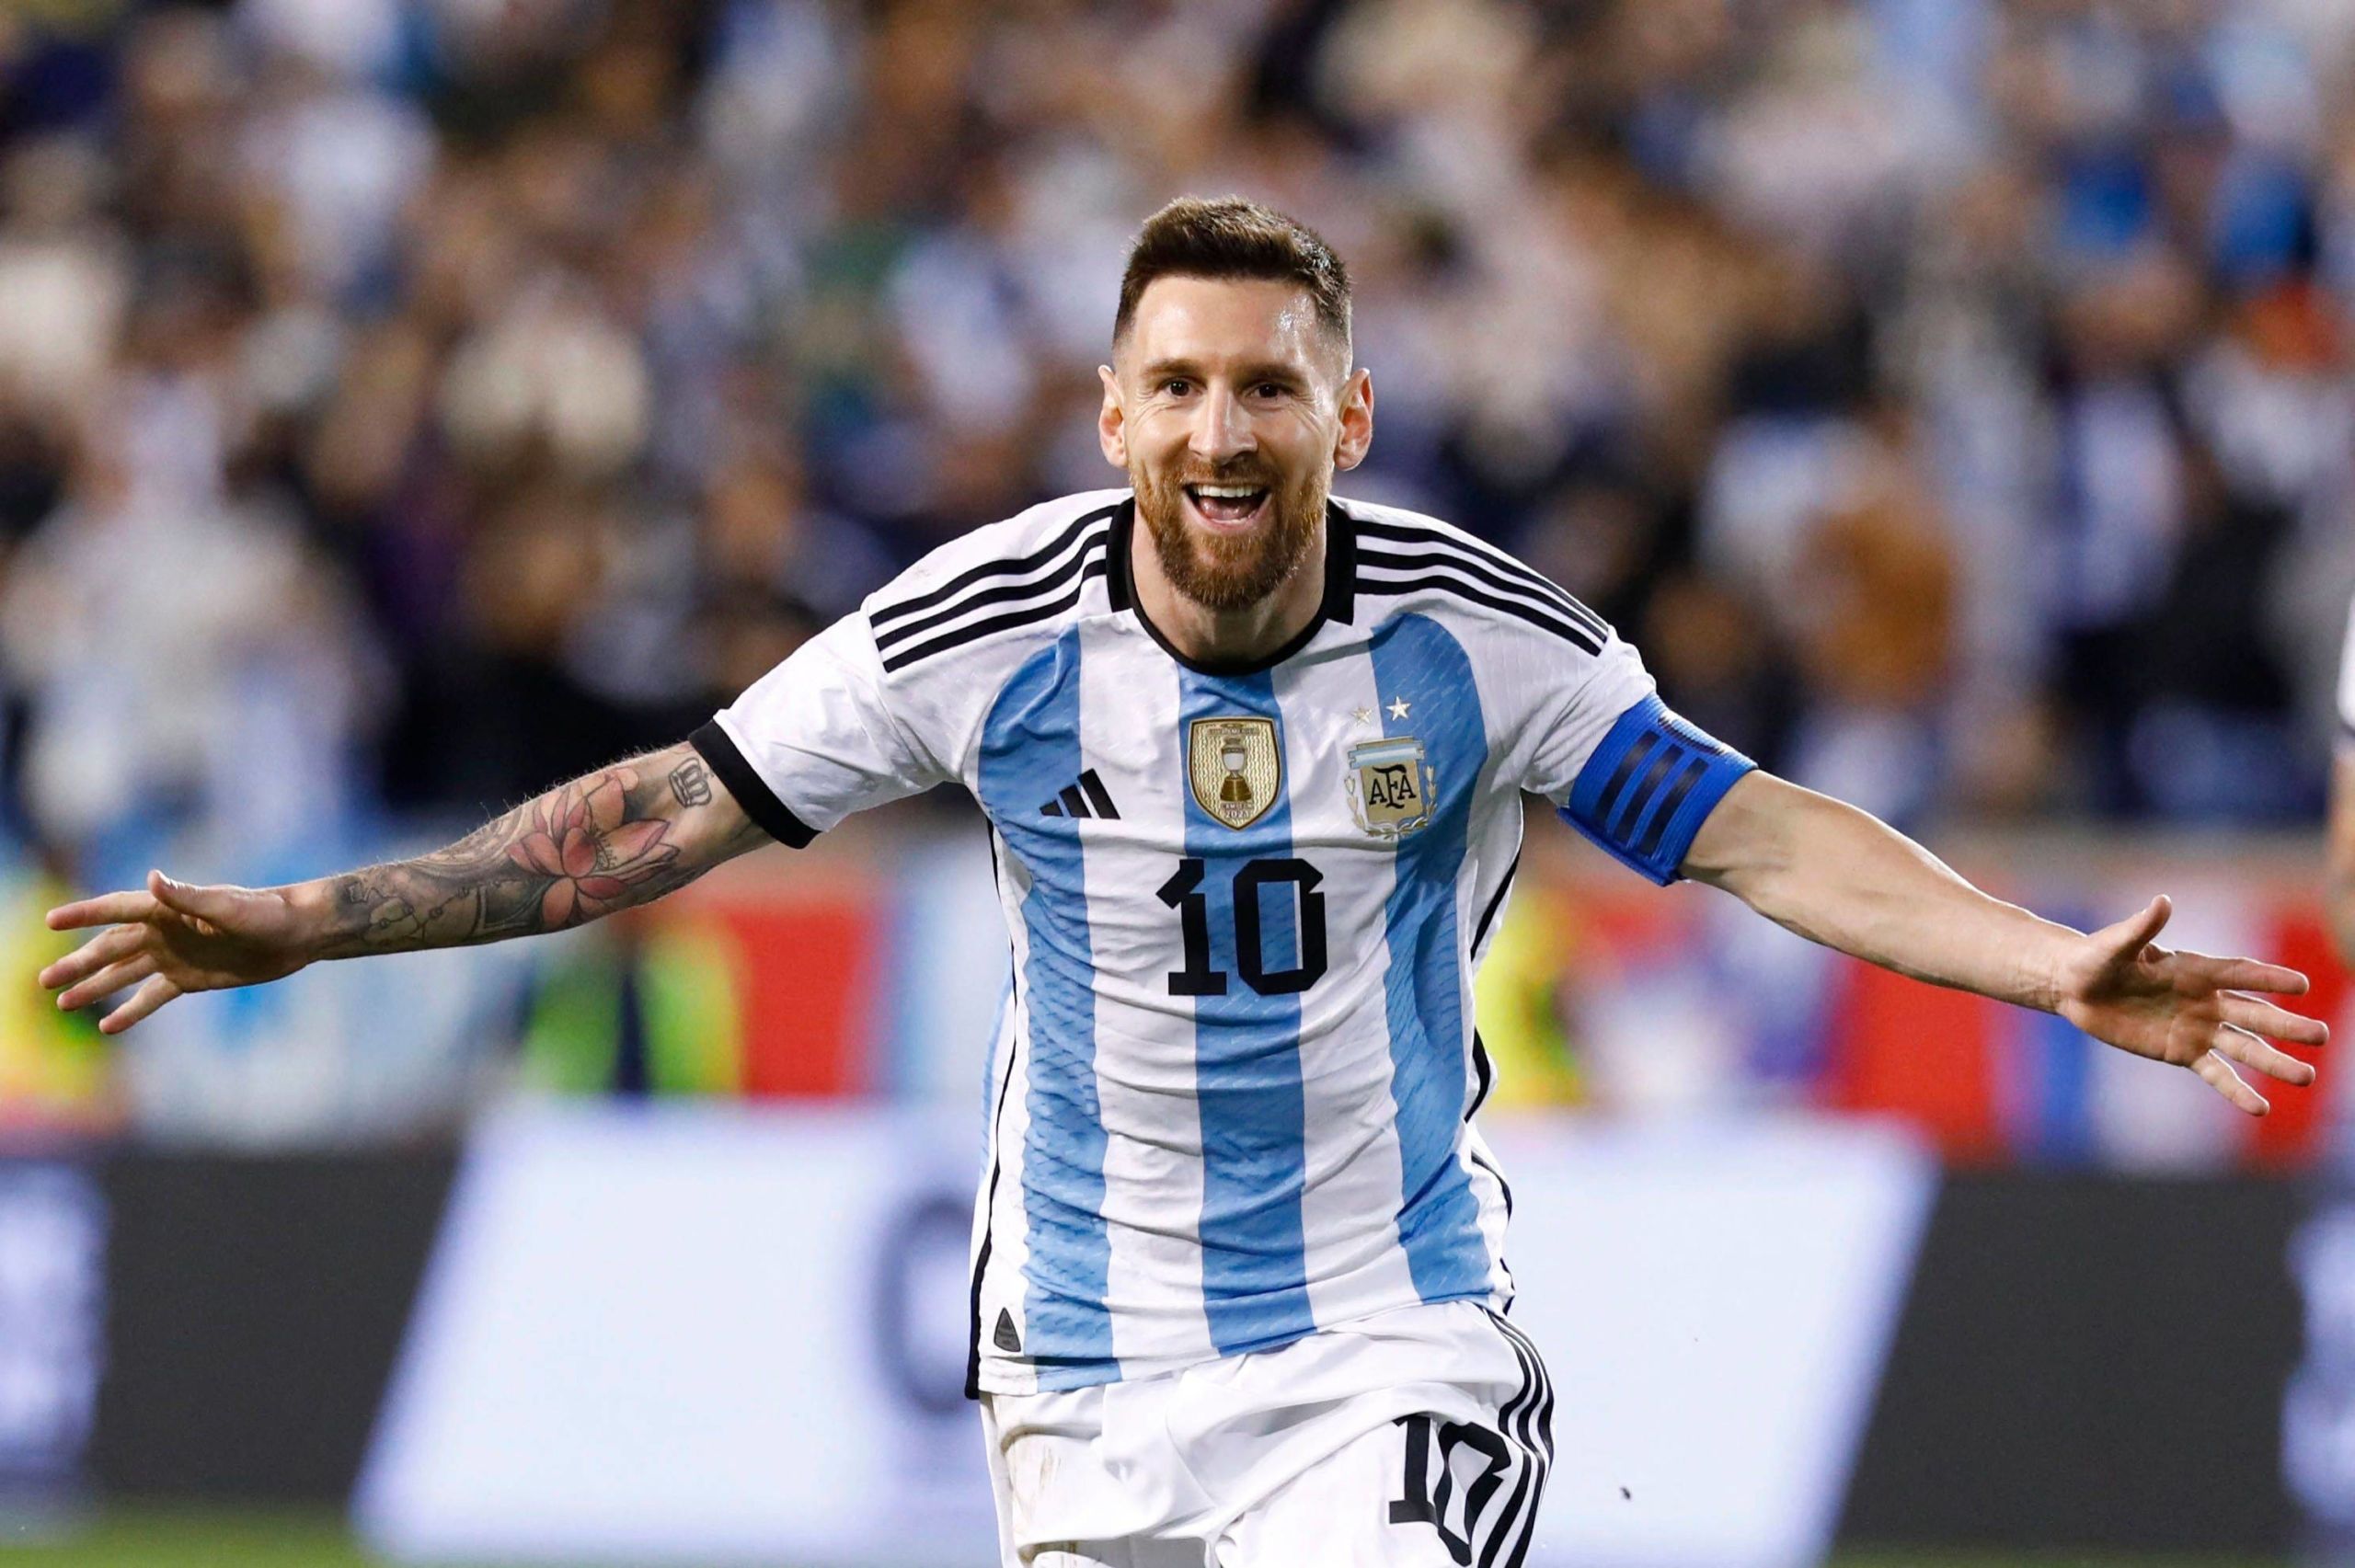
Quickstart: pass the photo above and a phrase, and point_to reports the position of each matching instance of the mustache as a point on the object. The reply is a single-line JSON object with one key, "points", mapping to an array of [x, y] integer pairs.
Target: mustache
{"points": [[1255, 478]]}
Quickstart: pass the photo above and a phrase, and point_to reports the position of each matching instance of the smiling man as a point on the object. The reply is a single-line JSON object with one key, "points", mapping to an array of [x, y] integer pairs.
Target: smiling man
{"points": [[1254, 760]]}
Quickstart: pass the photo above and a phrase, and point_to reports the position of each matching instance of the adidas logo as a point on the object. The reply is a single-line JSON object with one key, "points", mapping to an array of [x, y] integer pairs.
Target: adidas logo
{"points": [[1005, 1338], [1088, 797]]}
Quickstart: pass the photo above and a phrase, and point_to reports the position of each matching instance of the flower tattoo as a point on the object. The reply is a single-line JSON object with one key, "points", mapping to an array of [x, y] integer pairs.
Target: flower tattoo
{"points": [[593, 855]]}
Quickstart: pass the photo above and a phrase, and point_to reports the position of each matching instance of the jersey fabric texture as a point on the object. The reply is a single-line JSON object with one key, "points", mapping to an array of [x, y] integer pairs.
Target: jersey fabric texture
{"points": [[1416, 1438], [1230, 1096]]}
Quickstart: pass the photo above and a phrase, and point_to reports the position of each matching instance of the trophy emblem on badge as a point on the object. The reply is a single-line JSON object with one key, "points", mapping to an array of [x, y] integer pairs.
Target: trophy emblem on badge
{"points": [[1235, 789], [1235, 766]]}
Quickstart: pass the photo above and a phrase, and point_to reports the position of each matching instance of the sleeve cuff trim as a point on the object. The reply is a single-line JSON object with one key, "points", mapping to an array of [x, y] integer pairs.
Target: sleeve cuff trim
{"points": [[751, 792]]}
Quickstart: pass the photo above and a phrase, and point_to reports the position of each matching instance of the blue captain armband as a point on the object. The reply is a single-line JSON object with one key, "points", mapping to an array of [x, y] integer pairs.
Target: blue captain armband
{"points": [[1649, 786]]}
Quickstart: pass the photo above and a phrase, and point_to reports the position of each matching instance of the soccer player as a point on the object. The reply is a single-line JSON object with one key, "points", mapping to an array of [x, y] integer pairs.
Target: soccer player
{"points": [[1253, 760]]}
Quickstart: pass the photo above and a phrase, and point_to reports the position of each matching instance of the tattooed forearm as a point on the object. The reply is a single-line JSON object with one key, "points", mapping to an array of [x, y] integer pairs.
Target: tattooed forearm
{"points": [[622, 836]]}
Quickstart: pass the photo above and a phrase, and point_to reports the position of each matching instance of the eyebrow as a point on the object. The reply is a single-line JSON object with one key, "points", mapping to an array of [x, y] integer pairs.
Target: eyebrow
{"points": [[1264, 371]]}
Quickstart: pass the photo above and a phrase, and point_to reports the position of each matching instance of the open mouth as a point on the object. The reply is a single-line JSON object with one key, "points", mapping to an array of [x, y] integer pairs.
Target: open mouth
{"points": [[1227, 507]]}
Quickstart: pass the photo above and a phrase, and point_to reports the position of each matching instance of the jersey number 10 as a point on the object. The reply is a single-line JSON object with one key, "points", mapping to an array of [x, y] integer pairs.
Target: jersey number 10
{"points": [[1183, 893]]}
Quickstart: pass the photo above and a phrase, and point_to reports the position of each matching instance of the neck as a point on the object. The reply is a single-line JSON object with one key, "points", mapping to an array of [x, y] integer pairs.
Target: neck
{"points": [[1224, 636]]}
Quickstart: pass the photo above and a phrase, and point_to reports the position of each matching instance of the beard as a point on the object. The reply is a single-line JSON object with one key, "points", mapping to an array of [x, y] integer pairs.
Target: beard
{"points": [[1231, 571]]}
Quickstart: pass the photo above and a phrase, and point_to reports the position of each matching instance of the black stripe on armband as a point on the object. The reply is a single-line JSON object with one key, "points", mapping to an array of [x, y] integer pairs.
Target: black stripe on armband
{"points": [[1643, 794], [751, 792]]}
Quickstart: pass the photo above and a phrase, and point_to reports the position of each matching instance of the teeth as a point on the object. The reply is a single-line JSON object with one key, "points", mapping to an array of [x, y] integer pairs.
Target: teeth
{"points": [[1227, 492]]}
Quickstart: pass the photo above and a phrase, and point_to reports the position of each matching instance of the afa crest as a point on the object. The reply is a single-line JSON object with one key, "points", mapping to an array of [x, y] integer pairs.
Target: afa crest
{"points": [[1236, 767], [1391, 786]]}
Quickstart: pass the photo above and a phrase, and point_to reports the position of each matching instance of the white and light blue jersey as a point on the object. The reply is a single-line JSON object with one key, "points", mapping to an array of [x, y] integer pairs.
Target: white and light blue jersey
{"points": [[1233, 1098]]}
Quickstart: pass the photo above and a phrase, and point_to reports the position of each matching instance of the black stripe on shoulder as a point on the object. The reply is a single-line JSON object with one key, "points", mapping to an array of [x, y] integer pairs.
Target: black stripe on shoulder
{"points": [[1520, 609], [1502, 561], [974, 631], [751, 792], [886, 641], [1496, 561], [1446, 553], [1011, 567]]}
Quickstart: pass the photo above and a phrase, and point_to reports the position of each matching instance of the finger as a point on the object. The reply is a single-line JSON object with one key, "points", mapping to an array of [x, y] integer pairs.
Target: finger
{"points": [[156, 991], [92, 955], [2249, 1051], [217, 906], [2243, 973], [2220, 1077], [109, 980], [107, 909], [2138, 931], [2264, 1018]]}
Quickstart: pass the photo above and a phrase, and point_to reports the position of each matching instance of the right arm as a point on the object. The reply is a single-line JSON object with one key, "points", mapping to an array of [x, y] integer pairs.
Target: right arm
{"points": [[623, 835]]}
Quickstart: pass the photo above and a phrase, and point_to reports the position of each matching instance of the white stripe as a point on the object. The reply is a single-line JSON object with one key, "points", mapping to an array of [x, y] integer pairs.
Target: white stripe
{"points": [[1354, 1262]]}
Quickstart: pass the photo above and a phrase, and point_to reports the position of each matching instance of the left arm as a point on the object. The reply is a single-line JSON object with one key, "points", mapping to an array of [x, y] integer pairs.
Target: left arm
{"points": [[1842, 878]]}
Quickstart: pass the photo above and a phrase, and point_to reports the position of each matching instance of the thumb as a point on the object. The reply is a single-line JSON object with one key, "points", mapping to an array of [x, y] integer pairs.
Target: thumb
{"points": [[2130, 936], [216, 905]]}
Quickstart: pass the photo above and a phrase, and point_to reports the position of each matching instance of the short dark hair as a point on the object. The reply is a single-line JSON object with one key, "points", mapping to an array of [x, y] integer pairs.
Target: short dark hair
{"points": [[1228, 236]]}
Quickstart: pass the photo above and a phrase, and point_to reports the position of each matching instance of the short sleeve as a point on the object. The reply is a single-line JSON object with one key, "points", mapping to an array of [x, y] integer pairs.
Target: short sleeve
{"points": [[1626, 772], [817, 739]]}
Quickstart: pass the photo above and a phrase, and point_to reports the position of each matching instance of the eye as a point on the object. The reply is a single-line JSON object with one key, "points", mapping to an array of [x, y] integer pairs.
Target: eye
{"points": [[1177, 386], [1269, 389]]}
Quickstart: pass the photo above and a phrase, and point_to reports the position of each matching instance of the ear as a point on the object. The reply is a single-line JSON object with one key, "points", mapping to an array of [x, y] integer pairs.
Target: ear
{"points": [[1111, 421], [1357, 420]]}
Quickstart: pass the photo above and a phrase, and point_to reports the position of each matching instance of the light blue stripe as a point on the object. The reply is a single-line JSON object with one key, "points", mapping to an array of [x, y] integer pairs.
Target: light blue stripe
{"points": [[1246, 1062], [1439, 1222], [1029, 752]]}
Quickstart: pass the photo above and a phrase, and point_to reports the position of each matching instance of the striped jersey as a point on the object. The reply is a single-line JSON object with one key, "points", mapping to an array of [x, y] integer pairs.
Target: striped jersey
{"points": [[1231, 1094]]}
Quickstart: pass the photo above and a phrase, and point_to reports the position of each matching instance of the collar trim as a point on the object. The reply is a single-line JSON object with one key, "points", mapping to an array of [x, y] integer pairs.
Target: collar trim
{"points": [[1339, 603]]}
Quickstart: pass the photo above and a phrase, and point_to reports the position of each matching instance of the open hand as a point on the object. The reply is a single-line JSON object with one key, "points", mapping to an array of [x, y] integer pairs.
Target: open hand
{"points": [[2187, 1008], [172, 939]]}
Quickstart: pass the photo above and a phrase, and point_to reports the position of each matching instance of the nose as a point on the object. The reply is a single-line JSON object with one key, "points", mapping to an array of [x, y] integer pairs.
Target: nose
{"points": [[1221, 430]]}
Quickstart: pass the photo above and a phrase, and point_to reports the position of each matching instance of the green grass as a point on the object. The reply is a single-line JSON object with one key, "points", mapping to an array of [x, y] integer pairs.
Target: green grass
{"points": [[194, 1538], [253, 1537]]}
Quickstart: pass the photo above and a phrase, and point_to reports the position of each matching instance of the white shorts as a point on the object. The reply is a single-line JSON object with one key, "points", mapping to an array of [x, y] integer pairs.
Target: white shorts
{"points": [[1414, 1438]]}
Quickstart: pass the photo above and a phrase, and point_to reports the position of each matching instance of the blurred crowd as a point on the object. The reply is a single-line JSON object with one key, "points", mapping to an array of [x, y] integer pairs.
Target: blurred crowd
{"points": [[407, 403]]}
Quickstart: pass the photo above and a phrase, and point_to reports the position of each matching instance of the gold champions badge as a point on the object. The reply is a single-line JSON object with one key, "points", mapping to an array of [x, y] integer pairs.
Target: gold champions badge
{"points": [[1236, 767], [1391, 786]]}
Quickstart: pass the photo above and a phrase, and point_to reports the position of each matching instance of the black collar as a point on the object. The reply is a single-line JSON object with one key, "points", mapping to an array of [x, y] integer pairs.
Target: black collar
{"points": [[1339, 603]]}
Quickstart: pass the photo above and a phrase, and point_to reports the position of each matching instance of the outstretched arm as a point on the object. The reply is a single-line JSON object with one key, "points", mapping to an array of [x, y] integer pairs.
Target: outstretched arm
{"points": [[621, 836], [1839, 877]]}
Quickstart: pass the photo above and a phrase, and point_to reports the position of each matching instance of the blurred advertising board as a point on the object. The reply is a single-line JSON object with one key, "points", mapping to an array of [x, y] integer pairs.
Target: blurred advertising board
{"points": [[52, 1327], [715, 1333], [682, 1335], [2090, 1364], [2318, 1411]]}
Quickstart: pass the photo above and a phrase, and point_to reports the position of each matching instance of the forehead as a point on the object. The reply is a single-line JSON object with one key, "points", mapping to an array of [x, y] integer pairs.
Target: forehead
{"points": [[1215, 321]]}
